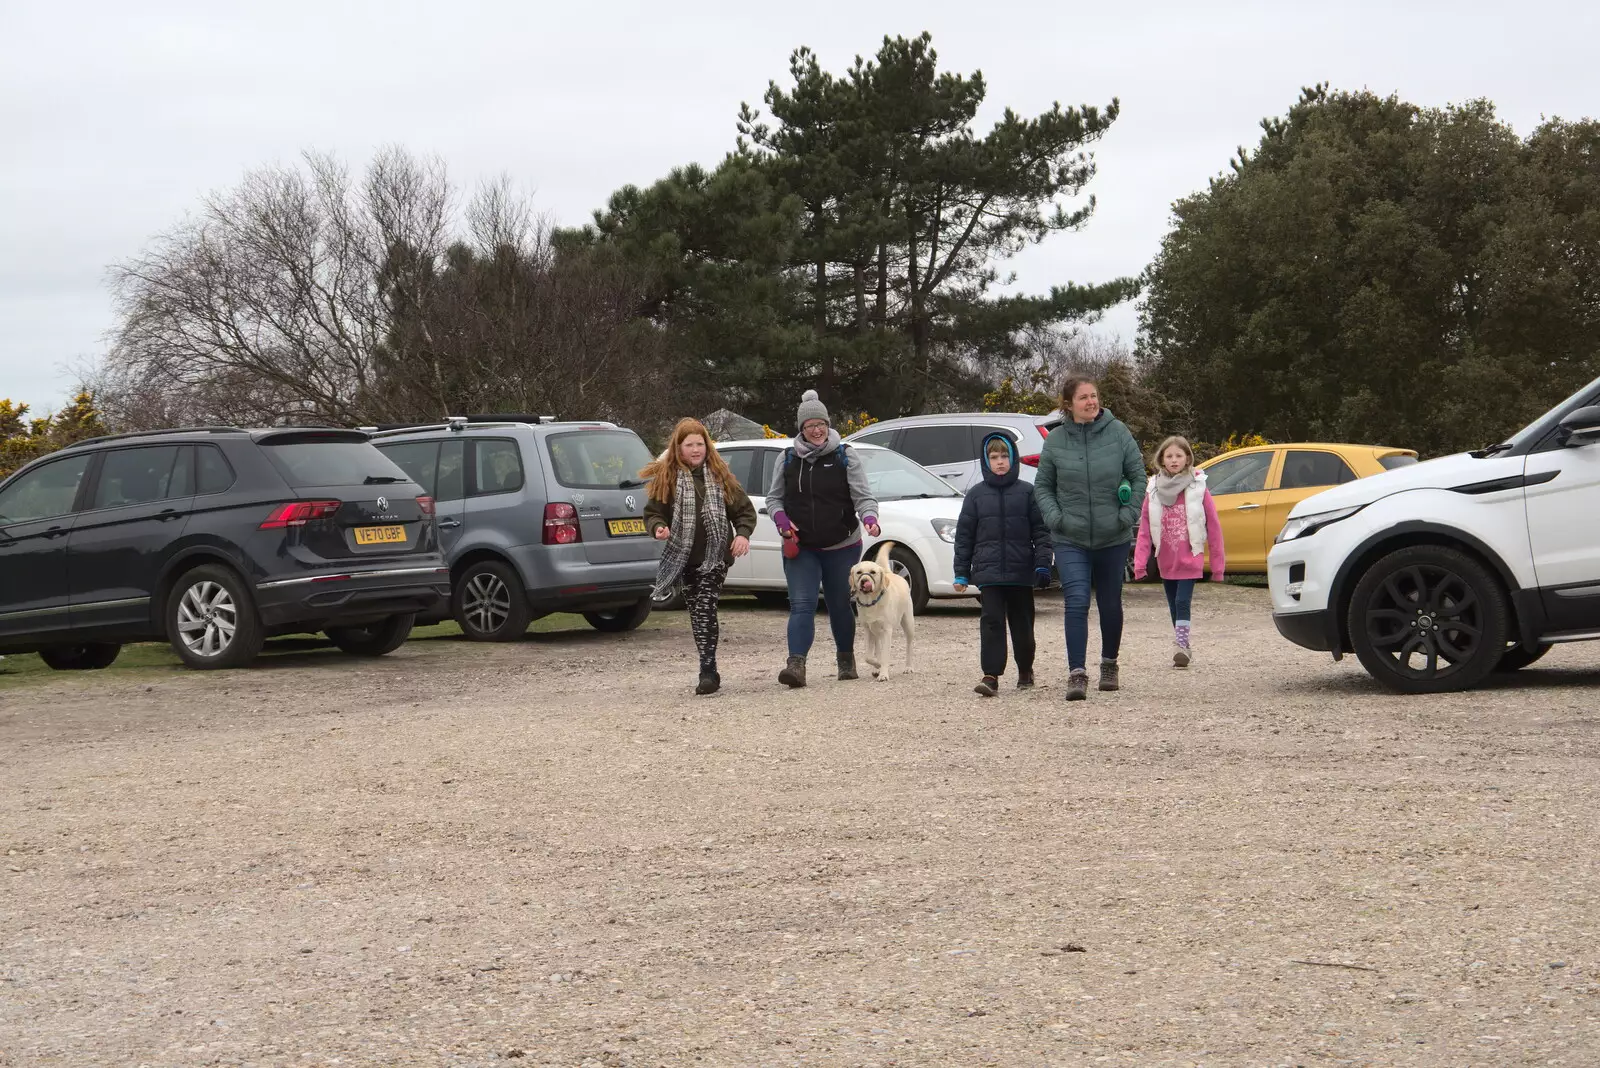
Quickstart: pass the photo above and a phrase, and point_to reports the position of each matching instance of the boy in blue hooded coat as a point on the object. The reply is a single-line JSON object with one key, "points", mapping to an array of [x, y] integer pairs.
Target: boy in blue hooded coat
{"points": [[1003, 548]]}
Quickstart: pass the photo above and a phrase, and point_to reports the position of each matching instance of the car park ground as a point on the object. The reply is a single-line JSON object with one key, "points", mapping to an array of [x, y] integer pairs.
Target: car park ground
{"points": [[552, 853]]}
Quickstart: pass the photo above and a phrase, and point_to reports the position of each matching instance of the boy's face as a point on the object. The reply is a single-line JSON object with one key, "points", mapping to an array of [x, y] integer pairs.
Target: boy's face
{"points": [[1000, 462]]}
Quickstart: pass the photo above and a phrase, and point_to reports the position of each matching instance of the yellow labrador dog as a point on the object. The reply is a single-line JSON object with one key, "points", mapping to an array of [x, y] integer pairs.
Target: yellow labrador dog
{"points": [[883, 603]]}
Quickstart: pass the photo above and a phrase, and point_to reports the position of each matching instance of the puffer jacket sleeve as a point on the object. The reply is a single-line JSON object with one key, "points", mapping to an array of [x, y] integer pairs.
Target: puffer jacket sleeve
{"points": [[1133, 471], [966, 532], [1044, 485], [1043, 551]]}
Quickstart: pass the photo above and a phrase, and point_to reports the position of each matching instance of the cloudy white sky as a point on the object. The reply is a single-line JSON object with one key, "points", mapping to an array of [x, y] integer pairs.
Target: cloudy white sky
{"points": [[117, 117]]}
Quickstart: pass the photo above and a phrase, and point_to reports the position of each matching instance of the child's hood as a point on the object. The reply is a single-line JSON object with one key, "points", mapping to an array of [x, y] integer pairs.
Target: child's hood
{"points": [[1011, 447]]}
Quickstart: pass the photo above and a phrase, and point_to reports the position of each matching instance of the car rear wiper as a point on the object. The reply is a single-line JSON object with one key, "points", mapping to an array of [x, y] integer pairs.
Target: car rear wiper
{"points": [[631, 483], [1490, 450], [381, 480]]}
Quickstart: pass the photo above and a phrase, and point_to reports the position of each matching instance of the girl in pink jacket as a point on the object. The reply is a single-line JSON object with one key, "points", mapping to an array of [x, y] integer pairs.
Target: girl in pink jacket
{"points": [[1179, 524]]}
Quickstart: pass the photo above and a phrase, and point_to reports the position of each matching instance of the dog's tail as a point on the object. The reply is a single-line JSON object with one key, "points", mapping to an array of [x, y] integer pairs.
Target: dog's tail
{"points": [[881, 558]]}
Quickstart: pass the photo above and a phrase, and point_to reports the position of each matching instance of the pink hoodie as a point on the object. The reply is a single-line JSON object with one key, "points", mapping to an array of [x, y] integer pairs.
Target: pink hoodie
{"points": [[1173, 553]]}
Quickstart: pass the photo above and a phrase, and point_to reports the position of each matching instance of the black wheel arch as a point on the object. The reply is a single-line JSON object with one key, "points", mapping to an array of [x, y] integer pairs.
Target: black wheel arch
{"points": [[185, 560], [1529, 615]]}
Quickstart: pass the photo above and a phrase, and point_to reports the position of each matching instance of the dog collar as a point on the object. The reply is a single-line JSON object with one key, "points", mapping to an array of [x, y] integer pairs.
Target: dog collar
{"points": [[875, 600]]}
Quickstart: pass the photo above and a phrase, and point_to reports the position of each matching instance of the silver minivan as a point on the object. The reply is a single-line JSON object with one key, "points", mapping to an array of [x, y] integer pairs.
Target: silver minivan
{"points": [[949, 445], [535, 517]]}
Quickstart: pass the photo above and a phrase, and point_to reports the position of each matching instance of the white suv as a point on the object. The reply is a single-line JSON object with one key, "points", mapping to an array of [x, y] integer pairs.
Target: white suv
{"points": [[951, 445], [1437, 574]]}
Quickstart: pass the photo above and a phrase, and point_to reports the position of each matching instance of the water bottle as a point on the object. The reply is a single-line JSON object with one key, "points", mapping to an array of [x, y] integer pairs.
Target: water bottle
{"points": [[1125, 492]]}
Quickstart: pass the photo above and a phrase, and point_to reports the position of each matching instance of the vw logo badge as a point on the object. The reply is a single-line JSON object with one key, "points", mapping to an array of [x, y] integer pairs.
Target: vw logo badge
{"points": [[630, 502], [383, 504]]}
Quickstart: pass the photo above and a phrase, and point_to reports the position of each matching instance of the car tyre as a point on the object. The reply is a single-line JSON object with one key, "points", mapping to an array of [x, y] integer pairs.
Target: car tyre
{"points": [[772, 599], [489, 603], [1517, 657], [211, 619], [377, 639], [620, 620], [904, 562], [91, 656], [1434, 603], [671, 601]]}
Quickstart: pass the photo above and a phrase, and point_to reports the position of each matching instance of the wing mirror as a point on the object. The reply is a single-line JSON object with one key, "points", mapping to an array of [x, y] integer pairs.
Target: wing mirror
{"points": [[1582, 427]]}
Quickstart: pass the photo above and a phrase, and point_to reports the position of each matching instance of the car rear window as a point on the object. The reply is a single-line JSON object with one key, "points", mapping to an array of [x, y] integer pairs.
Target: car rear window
{"points": [[1398, 460], [596, 459], [332, 463]]}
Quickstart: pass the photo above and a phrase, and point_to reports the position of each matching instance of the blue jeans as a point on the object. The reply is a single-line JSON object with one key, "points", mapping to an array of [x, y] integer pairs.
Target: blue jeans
{"points": [[828, 569], [1180, 595], [1100, 570]]}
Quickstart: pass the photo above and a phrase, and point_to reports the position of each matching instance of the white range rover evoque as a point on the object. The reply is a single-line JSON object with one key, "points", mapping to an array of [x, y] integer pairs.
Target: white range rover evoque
{"points": [[1437, 574]]}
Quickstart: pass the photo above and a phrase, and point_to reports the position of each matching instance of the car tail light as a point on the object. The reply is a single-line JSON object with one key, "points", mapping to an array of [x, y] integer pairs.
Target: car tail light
{"points": [[1031, 461], [561, 524], [425, 505], [299, 513]]}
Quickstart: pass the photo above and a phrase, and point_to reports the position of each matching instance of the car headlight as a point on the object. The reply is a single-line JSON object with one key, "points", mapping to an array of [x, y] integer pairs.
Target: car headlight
{"points": [[946, 529], [1306, 525]]}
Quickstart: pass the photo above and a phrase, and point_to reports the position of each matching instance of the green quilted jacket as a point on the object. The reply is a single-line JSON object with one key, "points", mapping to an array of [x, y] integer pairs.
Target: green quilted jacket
{"points": [[1079, 472]]}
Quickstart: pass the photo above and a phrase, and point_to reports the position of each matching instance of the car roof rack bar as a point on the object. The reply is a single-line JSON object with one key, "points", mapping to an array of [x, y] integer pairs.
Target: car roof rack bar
{"points": [[156, 433]]}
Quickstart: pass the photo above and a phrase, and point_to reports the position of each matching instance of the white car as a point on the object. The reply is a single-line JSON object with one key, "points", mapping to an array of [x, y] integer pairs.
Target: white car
{"points": [[917, 513], [1439, 573], [951, 445]]}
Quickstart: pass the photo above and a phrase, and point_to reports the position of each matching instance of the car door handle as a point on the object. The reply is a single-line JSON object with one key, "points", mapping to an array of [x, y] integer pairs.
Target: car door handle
{"points": [[761, 511], [1247, 507], [449, 522], [56, 532], [168, 514]]}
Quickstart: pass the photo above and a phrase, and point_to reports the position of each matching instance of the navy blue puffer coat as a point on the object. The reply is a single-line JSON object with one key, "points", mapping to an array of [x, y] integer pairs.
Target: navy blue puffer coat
{"points": [[1001, 539]]}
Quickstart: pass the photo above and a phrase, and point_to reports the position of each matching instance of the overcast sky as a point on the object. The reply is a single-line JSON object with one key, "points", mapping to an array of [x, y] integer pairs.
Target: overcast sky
{"points": [[118, 116]]}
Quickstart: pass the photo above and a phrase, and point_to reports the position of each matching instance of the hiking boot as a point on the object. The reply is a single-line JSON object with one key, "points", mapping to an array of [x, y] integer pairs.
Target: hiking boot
{"points": [[1024, 680], [793, 674], [1078, 685], [987, 686], [1180, 654], [847, 668], [710, 682], [1108, 676]]}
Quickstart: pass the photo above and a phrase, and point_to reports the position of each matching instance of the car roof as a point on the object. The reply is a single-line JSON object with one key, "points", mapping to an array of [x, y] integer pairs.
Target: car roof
{"points": [[783, 443], [1320, 446], [498, 427], [961, 417]]}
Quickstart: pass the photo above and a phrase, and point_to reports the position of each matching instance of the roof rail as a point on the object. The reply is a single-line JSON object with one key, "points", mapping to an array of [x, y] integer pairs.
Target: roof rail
{"points": [[457, 423], [156, 433]]}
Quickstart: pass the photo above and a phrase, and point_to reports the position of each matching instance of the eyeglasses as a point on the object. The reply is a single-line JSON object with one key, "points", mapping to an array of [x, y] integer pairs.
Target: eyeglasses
{"points": [[815, 424]]}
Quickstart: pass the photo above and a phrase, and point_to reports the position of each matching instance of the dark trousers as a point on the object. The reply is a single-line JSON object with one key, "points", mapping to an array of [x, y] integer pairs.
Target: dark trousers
{"points": [[1099, 570], [1002, 605]]}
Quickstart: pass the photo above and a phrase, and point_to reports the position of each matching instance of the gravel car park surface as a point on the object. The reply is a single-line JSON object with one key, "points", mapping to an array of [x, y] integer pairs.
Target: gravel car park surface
{"points": [[552, 853]]}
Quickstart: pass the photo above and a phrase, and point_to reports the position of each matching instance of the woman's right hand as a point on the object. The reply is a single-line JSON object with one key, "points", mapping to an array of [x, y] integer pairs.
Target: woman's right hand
{"points": [[663, 533]]}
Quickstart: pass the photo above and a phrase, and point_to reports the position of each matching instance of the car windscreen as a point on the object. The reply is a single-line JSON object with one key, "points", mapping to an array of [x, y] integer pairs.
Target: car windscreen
{"points": [[896, 478], [596, 459], [332, 463]]}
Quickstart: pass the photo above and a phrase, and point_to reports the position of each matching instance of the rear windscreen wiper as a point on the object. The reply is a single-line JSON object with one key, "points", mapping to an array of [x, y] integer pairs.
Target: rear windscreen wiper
{"points": [[381, 480], [630, 483]]}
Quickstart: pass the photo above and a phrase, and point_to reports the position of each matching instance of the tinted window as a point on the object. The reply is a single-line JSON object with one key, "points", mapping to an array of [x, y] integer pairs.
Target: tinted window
{"points": [[452, 471], [332, 463], [1239, 474], [419, 459], [931, 445], [596, 459], [43, 492], [740, 462], [212, 473], [498, 468], [1398, 460], [1303, 469], [882, 437], [136, 476]]}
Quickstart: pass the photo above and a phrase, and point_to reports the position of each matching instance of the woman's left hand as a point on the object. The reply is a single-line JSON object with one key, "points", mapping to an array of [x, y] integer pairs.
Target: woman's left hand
{"points": [[873, 528], [740, 546]]}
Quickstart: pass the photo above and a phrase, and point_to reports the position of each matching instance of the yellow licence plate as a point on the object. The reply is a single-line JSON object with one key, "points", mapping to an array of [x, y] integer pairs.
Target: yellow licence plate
{"points": [[380, 535], [625, 527]]}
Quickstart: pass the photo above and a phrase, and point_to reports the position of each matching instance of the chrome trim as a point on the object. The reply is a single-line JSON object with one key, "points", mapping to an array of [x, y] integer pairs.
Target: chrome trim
{"points": [[354, 575], [1571, 636], [125, 602], [51, 611]]}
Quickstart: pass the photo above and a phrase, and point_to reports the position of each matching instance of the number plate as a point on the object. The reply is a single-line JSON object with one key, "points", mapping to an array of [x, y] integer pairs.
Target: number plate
{"points": [[624, 528], [380, 535]]}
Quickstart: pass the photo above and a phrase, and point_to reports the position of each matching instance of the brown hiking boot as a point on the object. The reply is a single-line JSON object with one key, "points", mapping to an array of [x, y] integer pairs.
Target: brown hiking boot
{"points": [[1078, 685], [847, 668], [1108, 676], [793, 674]]}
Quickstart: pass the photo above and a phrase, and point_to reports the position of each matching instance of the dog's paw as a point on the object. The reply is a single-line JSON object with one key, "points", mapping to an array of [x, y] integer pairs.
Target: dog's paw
{"points": [[881, 678]]}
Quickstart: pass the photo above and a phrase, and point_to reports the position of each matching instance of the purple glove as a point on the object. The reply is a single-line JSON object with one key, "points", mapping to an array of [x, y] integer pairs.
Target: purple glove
{"points": [[780, 519]]}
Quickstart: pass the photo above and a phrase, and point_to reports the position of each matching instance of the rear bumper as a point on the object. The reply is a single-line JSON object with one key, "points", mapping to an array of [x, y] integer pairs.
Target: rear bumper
{"points": [[316, 602]]}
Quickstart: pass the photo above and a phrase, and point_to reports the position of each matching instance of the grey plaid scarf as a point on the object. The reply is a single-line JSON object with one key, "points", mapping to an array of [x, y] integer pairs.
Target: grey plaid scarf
{"points": [[714, 509]]}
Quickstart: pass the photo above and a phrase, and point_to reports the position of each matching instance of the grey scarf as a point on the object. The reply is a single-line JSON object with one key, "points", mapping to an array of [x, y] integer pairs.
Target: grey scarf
{"points": [[805, 450], [1170, 487], [714, 509]]}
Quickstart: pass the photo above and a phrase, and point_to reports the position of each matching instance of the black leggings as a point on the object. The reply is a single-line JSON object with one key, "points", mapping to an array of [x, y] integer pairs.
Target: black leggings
{"points": [[701, 590], [1002, 605]]}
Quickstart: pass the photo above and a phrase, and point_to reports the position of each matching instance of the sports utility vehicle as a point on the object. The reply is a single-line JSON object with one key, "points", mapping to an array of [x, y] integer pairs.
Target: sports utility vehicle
{"points": [[535, 517], [213, 539], [949, 445], [1439, 573]]}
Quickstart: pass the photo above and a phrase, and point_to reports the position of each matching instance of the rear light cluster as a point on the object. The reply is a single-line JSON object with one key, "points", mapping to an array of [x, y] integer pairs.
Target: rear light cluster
{"points": [[299, 513], [425, 505], [561, 524], [1031, 461]]}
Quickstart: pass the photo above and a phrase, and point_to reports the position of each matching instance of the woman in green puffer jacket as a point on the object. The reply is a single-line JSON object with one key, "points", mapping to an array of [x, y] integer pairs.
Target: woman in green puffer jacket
{"points": [[1090, 486]]}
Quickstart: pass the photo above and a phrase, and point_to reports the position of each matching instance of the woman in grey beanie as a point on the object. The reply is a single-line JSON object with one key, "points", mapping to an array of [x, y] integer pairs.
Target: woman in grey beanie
{"points": [[816, 496]]}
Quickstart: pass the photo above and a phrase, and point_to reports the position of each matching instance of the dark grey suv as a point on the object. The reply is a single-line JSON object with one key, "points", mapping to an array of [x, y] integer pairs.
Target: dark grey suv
{"points": [[535, 517], [213, 539]]}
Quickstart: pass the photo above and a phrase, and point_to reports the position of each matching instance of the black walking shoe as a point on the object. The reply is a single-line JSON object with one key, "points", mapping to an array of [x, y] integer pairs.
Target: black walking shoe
{"points": [[987, 686], [847, 668], [710, 682], [1024, 680]]}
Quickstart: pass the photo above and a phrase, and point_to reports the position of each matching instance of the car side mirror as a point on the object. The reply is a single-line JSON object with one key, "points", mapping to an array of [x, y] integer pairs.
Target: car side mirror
{"points": [[1582, 427]]}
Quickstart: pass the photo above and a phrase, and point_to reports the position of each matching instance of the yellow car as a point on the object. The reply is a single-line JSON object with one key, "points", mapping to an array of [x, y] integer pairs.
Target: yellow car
{"points": [[1254, 488]]}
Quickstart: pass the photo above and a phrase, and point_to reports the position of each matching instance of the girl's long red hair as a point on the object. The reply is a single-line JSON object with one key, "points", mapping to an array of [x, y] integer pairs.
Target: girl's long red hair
{"points": [[663, 473]]}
